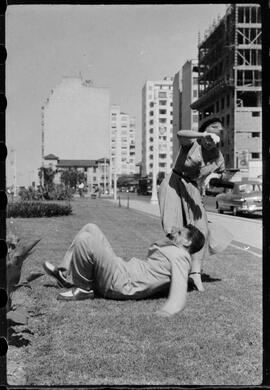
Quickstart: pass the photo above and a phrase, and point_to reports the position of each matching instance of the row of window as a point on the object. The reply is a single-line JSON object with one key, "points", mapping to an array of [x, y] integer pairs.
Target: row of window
{"points": [[161, 112], [216, 107], [161, 165]]}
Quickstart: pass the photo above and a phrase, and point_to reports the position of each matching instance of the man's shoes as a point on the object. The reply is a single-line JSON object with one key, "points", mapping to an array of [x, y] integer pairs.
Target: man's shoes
{"points": [[57, 274], [75, 294]]}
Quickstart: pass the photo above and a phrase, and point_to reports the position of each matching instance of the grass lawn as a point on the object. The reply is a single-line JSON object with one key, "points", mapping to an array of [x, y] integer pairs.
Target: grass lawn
{"points": [[216, 340]]}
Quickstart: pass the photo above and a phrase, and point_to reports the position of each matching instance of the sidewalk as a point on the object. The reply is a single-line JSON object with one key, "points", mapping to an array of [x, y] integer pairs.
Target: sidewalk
{"points": [[245, 231]]}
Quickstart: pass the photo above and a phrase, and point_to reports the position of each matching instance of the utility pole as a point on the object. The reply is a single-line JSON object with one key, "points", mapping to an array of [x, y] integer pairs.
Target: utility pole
{"points": [[115, 184], [104, 173], [14, 171], [154, 198]]}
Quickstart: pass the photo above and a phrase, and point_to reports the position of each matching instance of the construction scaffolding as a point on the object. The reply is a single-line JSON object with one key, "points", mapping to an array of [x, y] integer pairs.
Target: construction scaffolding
{"points": [[230, 76]]}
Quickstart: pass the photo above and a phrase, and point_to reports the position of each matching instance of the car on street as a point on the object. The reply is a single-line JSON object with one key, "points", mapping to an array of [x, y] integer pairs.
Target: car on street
{"points": [[242, 197]]}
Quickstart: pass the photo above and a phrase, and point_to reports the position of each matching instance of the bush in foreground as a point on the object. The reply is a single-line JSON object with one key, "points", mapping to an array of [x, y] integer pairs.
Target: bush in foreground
{"points": [[37, 209]]}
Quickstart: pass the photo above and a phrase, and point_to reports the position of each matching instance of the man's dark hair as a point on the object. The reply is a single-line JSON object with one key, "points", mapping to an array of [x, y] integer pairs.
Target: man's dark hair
{"points": [[197, 239], [209, 122]]}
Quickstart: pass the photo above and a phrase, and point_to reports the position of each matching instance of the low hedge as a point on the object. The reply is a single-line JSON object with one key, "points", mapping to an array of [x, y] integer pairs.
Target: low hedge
{"points": [[37, 209]]}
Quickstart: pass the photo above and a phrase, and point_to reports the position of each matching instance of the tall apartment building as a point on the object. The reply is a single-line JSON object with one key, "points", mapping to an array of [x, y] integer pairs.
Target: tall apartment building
{"points": [[122, 142], [189, 95], [229, 64], [177, 110], [185, 92], [157, 125]]}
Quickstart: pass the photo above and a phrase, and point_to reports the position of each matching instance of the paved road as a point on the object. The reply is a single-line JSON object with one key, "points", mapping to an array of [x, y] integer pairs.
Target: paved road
{"points": [[247, 232], [209, 201]]}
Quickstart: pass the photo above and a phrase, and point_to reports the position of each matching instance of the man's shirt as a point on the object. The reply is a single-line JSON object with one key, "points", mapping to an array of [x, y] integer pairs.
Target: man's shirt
{"points": [[138, 278]]}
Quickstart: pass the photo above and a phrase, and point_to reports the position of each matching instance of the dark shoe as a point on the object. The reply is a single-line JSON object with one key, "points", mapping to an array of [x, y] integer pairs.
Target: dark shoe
{"points": [[75, 294], [57, 274]]}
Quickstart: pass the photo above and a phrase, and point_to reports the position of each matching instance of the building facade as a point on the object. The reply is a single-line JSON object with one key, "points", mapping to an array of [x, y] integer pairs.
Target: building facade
{"points": [[185, 92], [96, 172], [157, 126], [189, 116], [229, 65], [75, 121], [122, 142]]}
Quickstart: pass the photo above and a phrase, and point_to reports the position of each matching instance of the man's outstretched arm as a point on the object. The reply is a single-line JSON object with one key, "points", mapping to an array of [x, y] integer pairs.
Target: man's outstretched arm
{"points": [[178, 288]]}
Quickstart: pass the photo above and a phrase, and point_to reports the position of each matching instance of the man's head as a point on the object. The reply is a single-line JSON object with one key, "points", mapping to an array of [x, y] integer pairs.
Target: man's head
{"points": [[190, 238]]}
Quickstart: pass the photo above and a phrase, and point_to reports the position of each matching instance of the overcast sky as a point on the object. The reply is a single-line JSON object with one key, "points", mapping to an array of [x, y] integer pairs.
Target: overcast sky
{"points": [[116, 46]]}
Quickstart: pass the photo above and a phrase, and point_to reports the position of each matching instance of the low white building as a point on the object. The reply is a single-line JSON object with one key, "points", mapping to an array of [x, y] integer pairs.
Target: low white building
{"points": [[75, 120]]}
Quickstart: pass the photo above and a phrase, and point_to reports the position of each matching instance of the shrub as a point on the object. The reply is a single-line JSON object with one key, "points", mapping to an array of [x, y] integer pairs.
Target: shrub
{"points": [[55, 192], [37, 209]]}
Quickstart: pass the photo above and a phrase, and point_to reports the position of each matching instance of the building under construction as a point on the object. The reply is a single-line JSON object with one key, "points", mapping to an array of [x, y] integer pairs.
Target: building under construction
{"points": [[229, 82]]}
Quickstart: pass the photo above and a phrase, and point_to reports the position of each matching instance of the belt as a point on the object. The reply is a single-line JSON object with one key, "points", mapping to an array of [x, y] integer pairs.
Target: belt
{"points": [[185, 177]]}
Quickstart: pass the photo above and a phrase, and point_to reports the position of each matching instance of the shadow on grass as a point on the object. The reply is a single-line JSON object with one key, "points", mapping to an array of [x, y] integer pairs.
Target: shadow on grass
{"points": [[205, 279]]}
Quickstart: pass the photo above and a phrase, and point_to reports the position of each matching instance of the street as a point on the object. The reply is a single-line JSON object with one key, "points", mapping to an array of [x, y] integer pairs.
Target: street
{"points": [[209, 202]]}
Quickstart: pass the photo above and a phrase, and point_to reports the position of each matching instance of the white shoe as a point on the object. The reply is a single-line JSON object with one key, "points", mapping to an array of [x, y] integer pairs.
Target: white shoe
{"points": [[75, 294]]}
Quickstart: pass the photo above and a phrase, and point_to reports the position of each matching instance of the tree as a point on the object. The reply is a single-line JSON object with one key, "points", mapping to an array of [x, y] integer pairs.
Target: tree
{"points": [[48, 176], [72, 177]]}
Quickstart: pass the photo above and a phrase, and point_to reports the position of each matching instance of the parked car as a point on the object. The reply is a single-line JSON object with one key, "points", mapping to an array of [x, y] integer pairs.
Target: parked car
{"points": [[244, 197]]}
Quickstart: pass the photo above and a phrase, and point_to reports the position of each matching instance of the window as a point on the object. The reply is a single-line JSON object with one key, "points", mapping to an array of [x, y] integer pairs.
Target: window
{"points": [[222, 103], [162, 102], [151, 113], [162, 120], [162, 165], [228, 100], [162, 94], [255, 155], [195, 80], [255, 135], [151, 131], [151, 139], [256, 113], [217, 106], [151, 165], [151, 157], [162, 155], [151, 104], [162, 112], [195, 118], [151, 122], [227, 120], [195, 93]]}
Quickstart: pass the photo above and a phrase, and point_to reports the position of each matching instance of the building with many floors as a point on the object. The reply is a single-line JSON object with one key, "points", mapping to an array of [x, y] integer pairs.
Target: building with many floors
{"points": [[185, 92], [229, 80], [157, 126], [122, 142]]}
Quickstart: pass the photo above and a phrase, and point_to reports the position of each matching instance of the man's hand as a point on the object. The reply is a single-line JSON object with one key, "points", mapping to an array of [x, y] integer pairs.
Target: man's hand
{"points": [[211, 137]]}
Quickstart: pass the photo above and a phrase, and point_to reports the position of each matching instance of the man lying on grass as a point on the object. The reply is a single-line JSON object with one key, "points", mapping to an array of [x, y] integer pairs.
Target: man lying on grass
{"points": [[90, 265]]}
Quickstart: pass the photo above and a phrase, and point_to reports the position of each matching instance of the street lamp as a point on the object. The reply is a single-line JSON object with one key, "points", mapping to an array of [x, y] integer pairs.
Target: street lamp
{"points": [[154, 198]]}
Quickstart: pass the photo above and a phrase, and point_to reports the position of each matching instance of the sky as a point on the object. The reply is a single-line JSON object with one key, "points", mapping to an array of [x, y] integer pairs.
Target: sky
{"points": [[118, 47]]}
